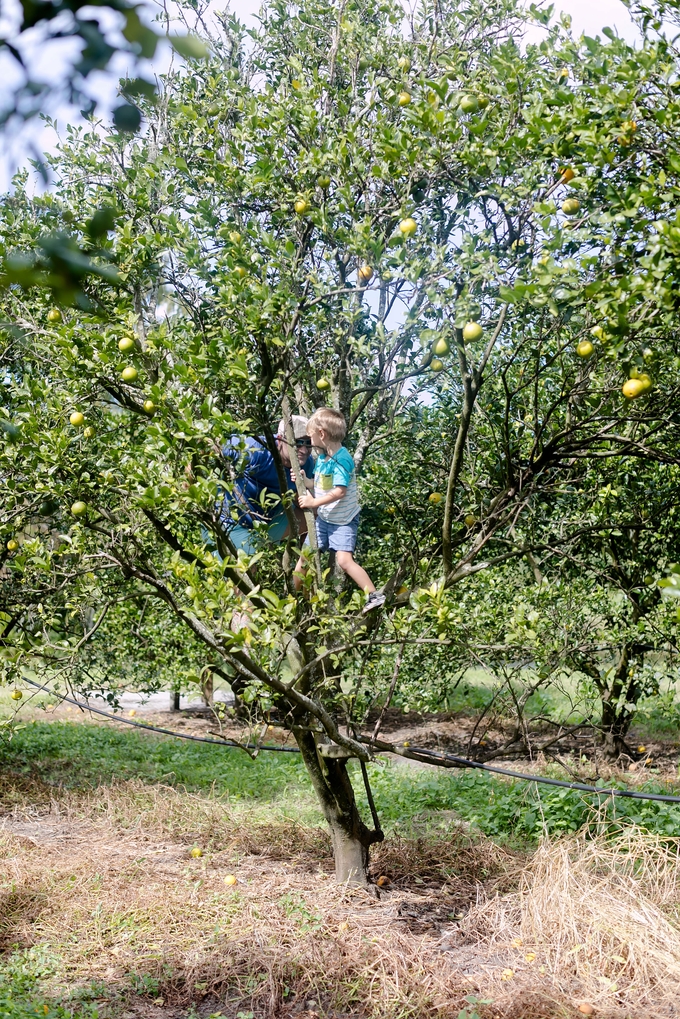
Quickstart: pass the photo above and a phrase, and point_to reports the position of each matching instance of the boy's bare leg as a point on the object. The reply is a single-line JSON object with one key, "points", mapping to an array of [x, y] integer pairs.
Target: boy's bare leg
{"points": [[298, 573], [347, 562]]}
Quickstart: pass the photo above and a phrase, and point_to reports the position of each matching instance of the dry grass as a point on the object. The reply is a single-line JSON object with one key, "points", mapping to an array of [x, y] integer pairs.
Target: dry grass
{"points": [[598, 913], [105, 881]]}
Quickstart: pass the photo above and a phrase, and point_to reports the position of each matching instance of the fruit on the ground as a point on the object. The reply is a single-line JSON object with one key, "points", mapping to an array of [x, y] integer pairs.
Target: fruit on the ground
{"points": [[584, 348], [470, 520], [230, 880], [76, 418], [633, 388], [365, 273], [78, 508], [436, 365], [435, 498], [469, 104], [88, 433], [344, 926], [404, 64], [196, 852], [129, 374], [441, 347], [472, 331], [12, 545], [408, 226], [482, 102], [17, 695], [241, 272], [570, 206], [383, 881], [323, 181], [404, 98], [567, 175], [54, 315], [323, 384], [585, 1008], [149, 406], [125, 344], [234, 237], [301, 206]]}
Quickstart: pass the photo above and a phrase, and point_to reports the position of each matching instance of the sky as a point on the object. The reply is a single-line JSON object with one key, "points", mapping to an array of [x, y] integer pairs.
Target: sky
{"points": [[16, 150]]}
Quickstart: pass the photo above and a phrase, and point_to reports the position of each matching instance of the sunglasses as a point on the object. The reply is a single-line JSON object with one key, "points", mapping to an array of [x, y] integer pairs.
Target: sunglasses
{"points": [[304, 441]]}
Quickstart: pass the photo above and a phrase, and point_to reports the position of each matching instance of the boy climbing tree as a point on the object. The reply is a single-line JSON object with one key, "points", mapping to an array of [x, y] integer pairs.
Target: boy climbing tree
{"points": [[336, 501]]}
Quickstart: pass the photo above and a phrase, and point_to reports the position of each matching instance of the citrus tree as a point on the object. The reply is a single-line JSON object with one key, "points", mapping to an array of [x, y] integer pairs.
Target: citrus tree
{"points": [[466, 245]]}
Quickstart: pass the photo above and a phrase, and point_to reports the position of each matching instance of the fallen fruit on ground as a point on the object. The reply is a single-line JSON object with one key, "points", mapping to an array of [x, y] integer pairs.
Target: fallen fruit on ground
{"points": [[633, 388], [584, 348], [570, 206], [76, 418], [472, 331], [129, 374], [125, 344], [78, 508], [230, 880], [586, 1008], [408, 226], [435, 498], [196, 852], [383, 881]]}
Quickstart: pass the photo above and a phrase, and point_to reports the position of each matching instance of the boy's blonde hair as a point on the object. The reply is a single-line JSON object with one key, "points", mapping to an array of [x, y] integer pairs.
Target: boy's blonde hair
{"points": [[332, 422]]}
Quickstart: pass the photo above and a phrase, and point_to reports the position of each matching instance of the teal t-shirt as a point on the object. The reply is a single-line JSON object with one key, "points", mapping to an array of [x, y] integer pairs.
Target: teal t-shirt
{"points": [[330, 471]]}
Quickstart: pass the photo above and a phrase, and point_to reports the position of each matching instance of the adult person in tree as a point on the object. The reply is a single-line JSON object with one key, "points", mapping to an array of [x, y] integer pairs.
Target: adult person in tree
{"points": [[252, 509]]}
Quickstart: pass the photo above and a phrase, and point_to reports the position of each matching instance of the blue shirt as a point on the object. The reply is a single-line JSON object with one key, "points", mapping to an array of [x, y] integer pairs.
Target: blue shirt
{"points": [[257, 474], [331, 472]]}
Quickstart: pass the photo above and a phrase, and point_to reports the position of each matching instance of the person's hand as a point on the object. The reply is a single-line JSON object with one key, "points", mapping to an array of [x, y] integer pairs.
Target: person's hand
{"points": [[307, 502], [294, 476]]}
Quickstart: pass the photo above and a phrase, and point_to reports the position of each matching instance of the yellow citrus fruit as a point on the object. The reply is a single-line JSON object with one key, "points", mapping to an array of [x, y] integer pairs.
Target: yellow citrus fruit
{"points": [[571, 206], [584, 348], [646, 381], [12, 545], [598, 332], [230, 880], [470, 520], [408, 226], [301, 206], [17, 695], [149, 406], [343, 926], [404, 98], [436, 365], [196, 852], [323, 384], [404, 64], [88, 433], [129, 374], [77, 419], [234, 237], [125, 344], [54, 315], [633, 388], [323, 182], [365, 273], [441, 347], [435, 498], [567, 174], [472, 331], [78, 508], [483, 102], [241, 272], [296, 84], [403, 589]]}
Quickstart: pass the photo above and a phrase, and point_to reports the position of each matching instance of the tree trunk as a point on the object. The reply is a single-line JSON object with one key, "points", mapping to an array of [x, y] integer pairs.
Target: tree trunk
{"points": [[350, 836], [174, 700], [616, 717]]}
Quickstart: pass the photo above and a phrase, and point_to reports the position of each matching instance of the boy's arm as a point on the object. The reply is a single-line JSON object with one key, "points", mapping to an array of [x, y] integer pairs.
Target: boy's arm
{"points": [[309, 482], [311, 502]]}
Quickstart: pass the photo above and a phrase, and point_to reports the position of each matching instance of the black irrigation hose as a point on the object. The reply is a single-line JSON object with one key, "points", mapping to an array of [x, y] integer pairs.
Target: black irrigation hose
{"points": [[458, 762]]}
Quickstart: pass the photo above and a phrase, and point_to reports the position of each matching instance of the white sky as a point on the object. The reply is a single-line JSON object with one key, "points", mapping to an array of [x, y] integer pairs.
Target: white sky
{"points": [[588, 16]]}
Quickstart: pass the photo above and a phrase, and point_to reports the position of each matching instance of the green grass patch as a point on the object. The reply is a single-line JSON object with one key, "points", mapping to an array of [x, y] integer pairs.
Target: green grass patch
{"points": [[22, 977]]}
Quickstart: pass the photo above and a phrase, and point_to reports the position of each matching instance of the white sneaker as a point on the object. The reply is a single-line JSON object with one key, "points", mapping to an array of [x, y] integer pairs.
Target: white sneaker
{"points": [[375, 600]]}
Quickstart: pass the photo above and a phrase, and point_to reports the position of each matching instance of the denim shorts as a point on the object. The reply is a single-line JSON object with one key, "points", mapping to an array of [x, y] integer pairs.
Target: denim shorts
{"points": [[338, 537]]}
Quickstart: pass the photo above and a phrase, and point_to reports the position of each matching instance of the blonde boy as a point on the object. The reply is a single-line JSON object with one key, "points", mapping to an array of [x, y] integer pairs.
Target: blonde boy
{"points": [[335, 500]]}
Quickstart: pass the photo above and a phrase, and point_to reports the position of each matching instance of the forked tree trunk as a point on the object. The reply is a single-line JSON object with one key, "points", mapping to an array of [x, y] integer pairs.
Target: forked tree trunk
{"points": [[350, 836]]}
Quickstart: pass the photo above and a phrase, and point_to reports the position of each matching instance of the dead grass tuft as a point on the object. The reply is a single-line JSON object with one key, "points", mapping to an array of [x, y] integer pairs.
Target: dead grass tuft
{"points": [[598, 915]]}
